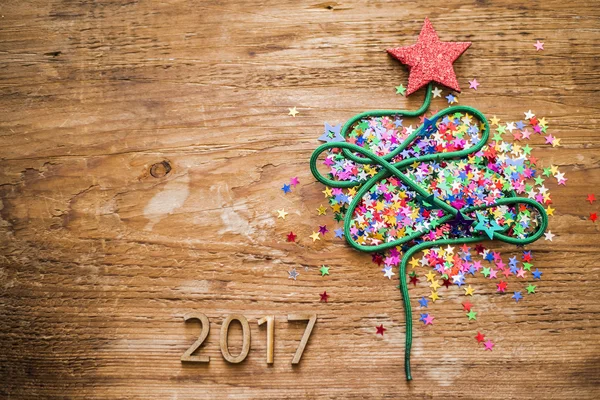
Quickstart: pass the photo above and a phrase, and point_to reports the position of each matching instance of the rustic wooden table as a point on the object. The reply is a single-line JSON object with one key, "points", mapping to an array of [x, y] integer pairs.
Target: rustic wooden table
{"points": [[143, 148]]}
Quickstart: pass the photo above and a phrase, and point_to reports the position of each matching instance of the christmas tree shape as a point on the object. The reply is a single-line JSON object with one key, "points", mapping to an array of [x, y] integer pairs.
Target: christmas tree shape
{"points": [[439, 184]]}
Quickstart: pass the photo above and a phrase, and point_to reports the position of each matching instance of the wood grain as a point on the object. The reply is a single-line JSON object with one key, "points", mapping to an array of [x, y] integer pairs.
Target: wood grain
{"points": [[142, 150]]}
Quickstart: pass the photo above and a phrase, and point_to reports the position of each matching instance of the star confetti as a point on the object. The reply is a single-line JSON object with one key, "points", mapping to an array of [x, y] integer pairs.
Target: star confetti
{"points": [[332, 133], [324, 297], [400, 90], [281, 214], [380, 330], [480, 337], [293, 112], [293, 274], [591, 198]]}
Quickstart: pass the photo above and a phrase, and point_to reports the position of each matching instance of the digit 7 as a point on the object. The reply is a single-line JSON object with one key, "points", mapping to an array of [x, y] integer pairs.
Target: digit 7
{"points": [[312, 319]]}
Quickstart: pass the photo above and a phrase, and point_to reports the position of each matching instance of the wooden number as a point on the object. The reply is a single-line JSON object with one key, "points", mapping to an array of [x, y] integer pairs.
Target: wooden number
{"points": [[245, 338], [270, 320], [187, 356], [312, 319]]}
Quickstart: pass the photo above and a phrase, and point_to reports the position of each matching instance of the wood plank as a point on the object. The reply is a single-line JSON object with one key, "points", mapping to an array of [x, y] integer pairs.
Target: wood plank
{"points": [[101, 259]]}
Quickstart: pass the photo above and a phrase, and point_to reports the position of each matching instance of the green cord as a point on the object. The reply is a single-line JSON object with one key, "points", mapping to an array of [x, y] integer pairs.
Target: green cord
{"points": [[395, 169]]}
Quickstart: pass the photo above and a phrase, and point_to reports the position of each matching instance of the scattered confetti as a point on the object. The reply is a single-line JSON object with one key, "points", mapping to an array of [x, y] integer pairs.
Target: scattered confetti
{"points": [[332, 134], [324, 297], [473, 84], [293, 112], [293, 274], [400, 90], [281, 214], [591, 198], [467, 306], [517, 296], [451, 99], [291, 237]]}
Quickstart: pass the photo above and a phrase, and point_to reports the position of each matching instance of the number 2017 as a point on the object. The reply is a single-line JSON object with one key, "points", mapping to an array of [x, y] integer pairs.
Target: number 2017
{"points": [[270, 320]]}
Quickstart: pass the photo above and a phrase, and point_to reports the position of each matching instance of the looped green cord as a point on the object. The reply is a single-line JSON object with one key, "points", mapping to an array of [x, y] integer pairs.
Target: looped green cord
{"points": [[395, 169]]}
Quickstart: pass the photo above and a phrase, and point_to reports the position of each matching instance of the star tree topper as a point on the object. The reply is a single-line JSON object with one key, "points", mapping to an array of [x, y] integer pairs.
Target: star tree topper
{"points": [[430, 59]]}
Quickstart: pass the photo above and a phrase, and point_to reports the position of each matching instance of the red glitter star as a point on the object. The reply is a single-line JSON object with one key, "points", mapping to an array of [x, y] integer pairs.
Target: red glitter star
{"points": [[291, 237], [593, 217], [430, 59], [380, 329]]}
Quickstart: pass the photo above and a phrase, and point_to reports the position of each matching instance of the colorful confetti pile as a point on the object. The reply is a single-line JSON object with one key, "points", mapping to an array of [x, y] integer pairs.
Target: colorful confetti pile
{"points": [[385, 212]]}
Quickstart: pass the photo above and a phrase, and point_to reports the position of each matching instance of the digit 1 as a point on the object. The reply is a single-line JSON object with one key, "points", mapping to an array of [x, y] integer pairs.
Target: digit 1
{"points": [[245, 339], [270, 320]]}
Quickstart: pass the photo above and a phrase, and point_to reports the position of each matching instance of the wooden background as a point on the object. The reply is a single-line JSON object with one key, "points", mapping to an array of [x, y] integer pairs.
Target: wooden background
{"points": [[100, 259]]}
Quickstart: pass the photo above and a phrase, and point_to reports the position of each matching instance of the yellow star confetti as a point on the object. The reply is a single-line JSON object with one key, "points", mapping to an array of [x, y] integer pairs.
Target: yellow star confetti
{"points": [[430, 276], [413, 262], [293, 112], [281, 213], [315, 236], [434, 296], [322, 210], [469, 291]]}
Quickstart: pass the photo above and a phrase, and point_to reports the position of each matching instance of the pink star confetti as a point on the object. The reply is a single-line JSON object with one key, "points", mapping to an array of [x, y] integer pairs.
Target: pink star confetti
{"points": [[473, 84], [539, 46]]}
